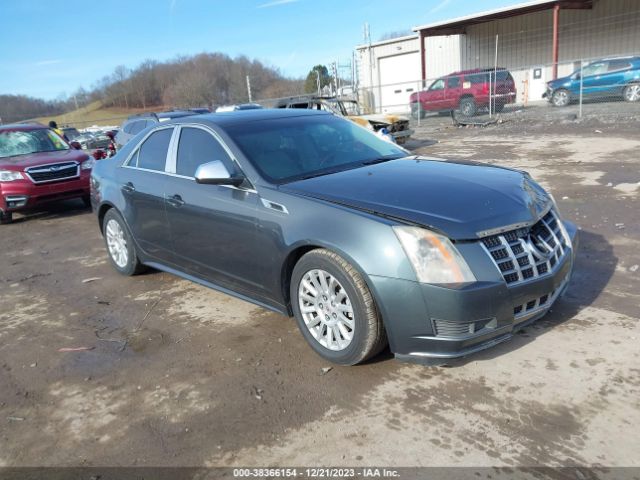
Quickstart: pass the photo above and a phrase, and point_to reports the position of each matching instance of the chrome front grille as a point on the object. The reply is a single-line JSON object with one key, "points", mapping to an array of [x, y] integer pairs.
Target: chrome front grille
{"points": [[53, 172], [530, 252], [534, 306]]}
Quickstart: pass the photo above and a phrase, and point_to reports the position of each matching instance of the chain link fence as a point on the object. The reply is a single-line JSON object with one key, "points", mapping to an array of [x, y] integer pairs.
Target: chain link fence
{"points": [[605, 89]]}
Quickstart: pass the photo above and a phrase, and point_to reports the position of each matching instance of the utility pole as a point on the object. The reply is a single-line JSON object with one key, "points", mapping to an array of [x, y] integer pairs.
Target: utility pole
{"points": [[249, 88], [318, 81]]}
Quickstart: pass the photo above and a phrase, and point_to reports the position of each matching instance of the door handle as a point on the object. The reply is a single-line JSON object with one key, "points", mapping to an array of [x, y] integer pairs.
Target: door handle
{"points": [[128, 188], [175, 201]]}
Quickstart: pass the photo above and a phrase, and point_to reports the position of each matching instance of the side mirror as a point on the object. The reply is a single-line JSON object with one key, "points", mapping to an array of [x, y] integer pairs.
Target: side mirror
{"points": [[75, 145], [576, 76], [215, 173]]}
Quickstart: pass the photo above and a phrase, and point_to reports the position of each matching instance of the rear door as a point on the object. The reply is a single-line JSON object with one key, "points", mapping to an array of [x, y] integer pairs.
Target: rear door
{"points": [[143, 183], [594, 79], [616, 76], [213, 226]]}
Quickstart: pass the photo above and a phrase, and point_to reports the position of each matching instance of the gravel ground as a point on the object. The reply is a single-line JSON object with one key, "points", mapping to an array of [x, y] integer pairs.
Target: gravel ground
{"points": [[175, 374]]}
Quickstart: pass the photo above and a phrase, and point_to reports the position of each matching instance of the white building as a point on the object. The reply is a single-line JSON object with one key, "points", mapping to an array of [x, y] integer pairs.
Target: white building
{"points": [[537, 41]]}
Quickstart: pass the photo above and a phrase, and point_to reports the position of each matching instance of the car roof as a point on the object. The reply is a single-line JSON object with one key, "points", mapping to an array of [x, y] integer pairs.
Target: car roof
{"points": [[477, 70], [22, 127], [255, 115], [608, 59]]}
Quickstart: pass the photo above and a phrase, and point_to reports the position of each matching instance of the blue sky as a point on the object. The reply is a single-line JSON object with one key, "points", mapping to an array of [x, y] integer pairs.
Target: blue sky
{"points": [[50, 48]]}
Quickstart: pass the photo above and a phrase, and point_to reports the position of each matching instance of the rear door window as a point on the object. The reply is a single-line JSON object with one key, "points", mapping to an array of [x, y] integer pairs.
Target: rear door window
{"points": [[453, 82], [616, 65], [197, 147], [152, 154], [137, 127]]}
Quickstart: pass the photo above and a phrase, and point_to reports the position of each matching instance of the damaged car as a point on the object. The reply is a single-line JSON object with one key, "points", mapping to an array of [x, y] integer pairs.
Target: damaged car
{"points": [[312, 216], [394, 125]]}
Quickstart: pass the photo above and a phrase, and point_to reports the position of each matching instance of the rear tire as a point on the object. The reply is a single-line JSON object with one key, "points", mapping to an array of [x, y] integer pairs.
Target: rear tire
{"points": [[5, 217], [560, 98], [631, 93], [468, 107], [120, 245], [340, 321]]}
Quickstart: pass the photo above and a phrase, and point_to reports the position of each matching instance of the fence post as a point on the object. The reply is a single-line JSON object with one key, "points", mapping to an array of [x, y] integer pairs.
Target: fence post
{"points": [[419, 90], [580, 107]]}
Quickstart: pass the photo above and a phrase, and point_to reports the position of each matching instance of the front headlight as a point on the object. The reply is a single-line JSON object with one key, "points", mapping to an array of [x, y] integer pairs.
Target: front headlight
{"points": [[10, 176], [433, 257], [88, 164]]}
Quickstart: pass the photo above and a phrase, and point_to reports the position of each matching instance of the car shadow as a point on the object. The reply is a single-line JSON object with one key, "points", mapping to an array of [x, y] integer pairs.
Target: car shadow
{"points": [[59, 209]]}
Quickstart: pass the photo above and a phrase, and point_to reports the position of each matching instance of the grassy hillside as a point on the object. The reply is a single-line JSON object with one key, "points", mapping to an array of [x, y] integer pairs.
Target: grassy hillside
{"points": [[92, 114]]}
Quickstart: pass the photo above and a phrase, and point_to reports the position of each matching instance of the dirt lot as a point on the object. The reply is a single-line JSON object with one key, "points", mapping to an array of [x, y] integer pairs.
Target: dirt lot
{"points": [[181, 375]]}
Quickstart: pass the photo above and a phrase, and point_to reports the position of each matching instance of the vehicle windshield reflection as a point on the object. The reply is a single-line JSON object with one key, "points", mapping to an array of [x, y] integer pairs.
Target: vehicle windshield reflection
{"points": [[290, 149]]}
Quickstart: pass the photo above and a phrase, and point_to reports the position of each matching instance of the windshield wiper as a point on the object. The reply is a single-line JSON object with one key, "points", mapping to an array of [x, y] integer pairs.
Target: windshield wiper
{"points": [[386, 158], [319, 174]]}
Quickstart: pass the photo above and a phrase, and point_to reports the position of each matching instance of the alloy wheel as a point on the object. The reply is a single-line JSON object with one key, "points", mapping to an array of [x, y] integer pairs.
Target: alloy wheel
{"points": [[632, 93], [116, 243], [560, 98], [326, 309]]}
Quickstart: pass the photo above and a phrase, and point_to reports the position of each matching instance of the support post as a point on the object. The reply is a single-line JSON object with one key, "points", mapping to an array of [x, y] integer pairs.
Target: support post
{"points": [[423, 59], [556, 21]]}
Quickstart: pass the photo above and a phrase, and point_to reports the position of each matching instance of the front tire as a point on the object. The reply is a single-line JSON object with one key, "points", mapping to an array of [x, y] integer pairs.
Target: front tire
{"points": [[631, 93], [417, 111], [120, 246], [560, 98], [335, 310]]}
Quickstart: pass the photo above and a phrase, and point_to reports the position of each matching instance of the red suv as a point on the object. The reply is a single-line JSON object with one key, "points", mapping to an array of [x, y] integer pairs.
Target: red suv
{"points": [[467, 91], [38, 166]]}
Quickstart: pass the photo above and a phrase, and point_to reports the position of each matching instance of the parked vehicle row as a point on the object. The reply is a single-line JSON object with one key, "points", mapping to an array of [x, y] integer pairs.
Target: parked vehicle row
{"points": [[311, 215], [472, 91]]}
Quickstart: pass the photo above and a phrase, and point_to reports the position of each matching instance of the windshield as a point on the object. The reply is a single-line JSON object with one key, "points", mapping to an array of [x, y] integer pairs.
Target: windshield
{"points": [[288, 149], [13, 143]]}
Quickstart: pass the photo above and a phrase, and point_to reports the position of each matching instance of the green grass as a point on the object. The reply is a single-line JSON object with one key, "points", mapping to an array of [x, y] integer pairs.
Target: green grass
{"points": [[92, 114]]}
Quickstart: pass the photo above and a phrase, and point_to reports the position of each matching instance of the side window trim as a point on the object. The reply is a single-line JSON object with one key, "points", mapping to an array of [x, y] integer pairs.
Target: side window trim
{"points": [[172, 165]]}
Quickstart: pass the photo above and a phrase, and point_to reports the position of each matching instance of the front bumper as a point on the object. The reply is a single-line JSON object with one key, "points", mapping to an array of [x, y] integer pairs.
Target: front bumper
{"points": [[430, 324], [24, 194]]}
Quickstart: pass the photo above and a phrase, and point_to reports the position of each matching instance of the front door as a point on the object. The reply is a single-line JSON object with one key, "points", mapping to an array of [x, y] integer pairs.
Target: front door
{"points": [[213, 226], [594, 79], [142, 182], [433, 98]]}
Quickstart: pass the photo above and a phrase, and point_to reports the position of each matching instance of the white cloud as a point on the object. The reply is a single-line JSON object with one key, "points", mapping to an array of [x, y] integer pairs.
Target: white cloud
{"points": [[276, 3], [440, 6]]}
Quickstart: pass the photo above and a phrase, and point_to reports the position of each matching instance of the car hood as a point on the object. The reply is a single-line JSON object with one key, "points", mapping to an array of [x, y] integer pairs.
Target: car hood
{"points": [[458, 199], [21, 162], [559, 82]]}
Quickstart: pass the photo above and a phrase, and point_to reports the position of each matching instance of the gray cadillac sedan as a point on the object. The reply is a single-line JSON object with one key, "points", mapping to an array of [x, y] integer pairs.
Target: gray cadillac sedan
{"points": [[315, 217]]}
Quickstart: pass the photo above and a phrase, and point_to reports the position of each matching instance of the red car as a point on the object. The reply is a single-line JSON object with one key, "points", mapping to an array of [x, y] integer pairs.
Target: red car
{"points": [[467, 91], [37, 166]]}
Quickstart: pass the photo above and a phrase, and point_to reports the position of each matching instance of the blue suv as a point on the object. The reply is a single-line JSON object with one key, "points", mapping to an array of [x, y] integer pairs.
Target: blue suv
{"points": [[612, 77]]}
